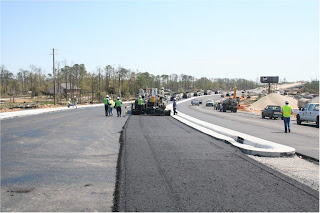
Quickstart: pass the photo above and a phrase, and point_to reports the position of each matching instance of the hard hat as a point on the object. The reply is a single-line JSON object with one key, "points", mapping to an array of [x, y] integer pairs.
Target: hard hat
{"points": [[139, 96], [75, 96], [69, 99], [118, 98], [174, 99], [287, 102], [162, 88]]}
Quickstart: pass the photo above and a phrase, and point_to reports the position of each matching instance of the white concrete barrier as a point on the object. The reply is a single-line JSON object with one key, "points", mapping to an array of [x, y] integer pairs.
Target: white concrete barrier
{"points": [[247, 143]]}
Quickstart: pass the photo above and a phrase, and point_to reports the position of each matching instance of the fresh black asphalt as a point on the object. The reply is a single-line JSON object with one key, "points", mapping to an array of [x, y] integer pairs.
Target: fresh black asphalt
{"points": [[166, 166]]}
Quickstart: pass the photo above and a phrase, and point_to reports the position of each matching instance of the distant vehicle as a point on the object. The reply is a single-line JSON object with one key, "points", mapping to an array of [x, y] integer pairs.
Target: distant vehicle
{"points": [[309, 113], [195, 94], [195, 102], [302, 102], [200, 101], [272, 111], [176, 96], [222, 95], [185, 95], [227, 95], [229, 104], [209, 103]]}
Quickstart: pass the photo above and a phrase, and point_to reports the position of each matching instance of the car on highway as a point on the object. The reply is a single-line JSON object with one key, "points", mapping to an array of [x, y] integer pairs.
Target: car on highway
{"points": [[195, 102], [209, 103], [272, 111], [309, 113]]}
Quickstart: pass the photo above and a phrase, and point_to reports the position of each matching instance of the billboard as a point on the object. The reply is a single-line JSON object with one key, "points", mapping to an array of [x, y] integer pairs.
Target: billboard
{"points": [[269, 79]]}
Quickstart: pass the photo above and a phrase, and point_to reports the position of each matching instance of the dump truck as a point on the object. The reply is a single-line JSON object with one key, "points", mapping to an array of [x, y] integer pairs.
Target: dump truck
{"points": [[153, 103], [302, 102], [230, 104]]}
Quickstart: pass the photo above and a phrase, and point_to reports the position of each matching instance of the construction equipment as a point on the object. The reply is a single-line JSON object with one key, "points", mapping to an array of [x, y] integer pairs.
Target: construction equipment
{"points": [[235, 92], [153, 103], [230, 104]]}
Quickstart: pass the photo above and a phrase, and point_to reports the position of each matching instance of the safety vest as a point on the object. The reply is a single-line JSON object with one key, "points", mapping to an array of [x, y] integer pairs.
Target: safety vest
{"points": [[111, 103], [286, 109], [106, 100], [118, 103], [140, 101]]}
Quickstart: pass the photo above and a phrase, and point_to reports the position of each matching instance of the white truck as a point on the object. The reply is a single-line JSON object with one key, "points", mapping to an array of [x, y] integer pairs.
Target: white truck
{"points": [[309, 113]]}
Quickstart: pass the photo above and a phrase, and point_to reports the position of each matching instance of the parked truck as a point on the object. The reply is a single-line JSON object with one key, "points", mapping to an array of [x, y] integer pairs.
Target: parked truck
{"points": [[272, 111], [309, 113]]}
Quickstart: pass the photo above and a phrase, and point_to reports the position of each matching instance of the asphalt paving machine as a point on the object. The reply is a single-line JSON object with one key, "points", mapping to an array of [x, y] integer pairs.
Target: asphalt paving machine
{"points": [[154, 103]]}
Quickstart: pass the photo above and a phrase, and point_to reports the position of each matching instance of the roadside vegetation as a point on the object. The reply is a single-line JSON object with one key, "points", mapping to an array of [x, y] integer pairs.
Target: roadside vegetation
{"points": [[311, 87], [32, 83]]}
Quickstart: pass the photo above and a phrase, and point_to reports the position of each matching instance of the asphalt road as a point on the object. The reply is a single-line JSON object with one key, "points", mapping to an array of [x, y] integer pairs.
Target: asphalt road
{"points": [[168, 166], [304, 138], [60, 161]]}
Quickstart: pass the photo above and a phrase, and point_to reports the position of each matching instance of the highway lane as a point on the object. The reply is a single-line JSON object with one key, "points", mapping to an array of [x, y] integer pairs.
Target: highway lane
{"points": [[60, 161], [168, 166], [304, 138]]}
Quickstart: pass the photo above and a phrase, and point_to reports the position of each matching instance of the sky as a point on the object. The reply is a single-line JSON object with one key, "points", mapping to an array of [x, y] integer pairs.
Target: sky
{"points": [[202, 38]]}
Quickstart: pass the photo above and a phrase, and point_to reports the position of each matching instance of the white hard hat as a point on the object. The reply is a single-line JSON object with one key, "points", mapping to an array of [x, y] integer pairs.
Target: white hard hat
{"points": [[287, 102], [118, 98], [107, 96], [139, 96], [75, 96], [174, 99], [162, 88], [69, 99]]}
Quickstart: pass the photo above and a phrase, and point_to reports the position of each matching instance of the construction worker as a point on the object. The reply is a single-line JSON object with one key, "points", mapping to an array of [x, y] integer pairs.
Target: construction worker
{"points": [[161, 92], [140, 102], [118, 106], [106, 104], [75, 102], [111, 105], [69, 102], [286, 112], [175, 107]]}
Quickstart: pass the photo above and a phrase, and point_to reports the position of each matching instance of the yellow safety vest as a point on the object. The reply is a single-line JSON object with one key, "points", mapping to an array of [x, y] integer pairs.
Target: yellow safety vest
{"points": [[286, 109]]}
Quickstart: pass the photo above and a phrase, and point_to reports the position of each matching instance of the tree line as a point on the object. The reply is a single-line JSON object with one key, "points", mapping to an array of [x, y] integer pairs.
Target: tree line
{"points": [[120, 81]]}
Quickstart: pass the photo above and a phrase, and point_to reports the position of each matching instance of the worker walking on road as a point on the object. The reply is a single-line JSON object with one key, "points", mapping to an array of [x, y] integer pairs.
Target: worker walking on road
{"points": [[175, 107], [286, 112], [75, 102], [140, 102], [118, 106], [106, 104], [111, 105], [69, 103]]}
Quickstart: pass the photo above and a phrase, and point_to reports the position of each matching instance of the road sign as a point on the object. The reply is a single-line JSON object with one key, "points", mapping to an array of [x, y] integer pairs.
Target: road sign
{"points": [[269, 79]]}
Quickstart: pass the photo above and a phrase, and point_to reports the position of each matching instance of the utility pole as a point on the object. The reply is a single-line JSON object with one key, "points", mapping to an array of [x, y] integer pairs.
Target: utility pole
{"points": [[54, 80]]}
